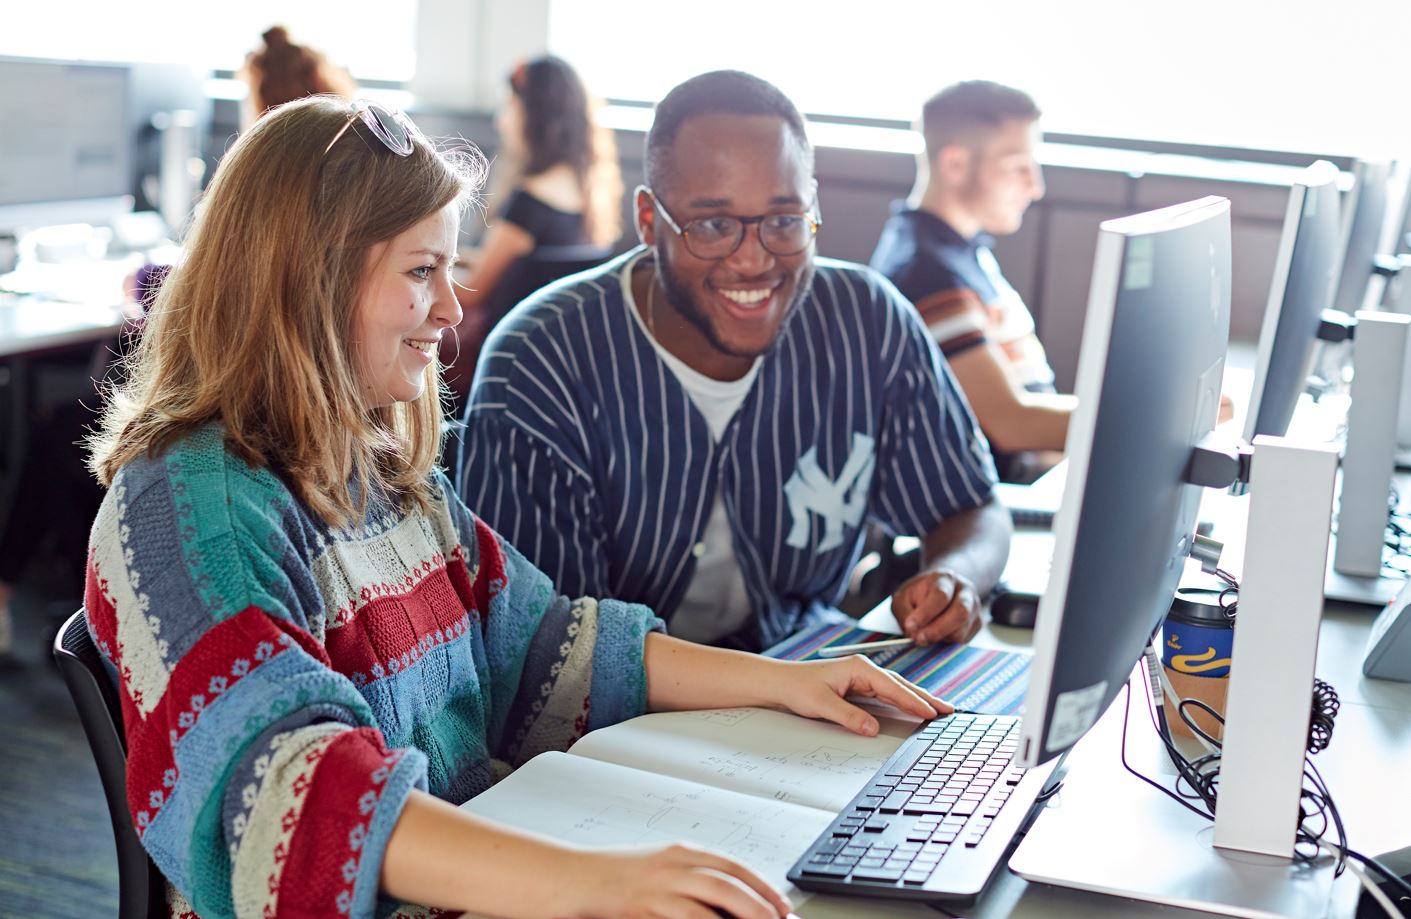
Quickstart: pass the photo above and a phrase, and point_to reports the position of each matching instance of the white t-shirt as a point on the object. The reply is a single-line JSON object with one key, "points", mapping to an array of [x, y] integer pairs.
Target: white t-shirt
{"points": [[716, 603]]}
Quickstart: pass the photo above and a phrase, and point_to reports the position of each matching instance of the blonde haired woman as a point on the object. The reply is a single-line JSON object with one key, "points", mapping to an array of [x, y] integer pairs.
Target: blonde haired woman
{"points": [[320, 650]]}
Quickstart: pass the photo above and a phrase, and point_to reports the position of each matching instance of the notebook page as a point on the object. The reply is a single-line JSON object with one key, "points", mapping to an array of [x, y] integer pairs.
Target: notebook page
{"points": [[755, 751], [584, 802]]}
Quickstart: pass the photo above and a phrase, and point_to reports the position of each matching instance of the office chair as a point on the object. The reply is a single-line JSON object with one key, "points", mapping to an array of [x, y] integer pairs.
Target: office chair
{"points": [[527, 274], [141, 887], [539, 268]]}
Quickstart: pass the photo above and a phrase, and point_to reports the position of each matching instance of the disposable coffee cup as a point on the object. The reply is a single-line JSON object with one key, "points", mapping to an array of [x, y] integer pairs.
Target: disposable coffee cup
{"points": [[1196, 643]]}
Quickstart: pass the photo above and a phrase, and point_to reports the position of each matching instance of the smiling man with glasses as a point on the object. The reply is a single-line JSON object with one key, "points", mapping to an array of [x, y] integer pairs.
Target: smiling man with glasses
{"points": [[708, 423]]}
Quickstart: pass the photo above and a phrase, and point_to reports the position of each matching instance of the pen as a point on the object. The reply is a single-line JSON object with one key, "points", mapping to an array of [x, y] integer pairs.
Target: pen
{"points": [[864, 648]]}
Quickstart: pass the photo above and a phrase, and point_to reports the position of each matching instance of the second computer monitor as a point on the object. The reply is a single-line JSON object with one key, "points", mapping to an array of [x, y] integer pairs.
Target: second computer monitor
{"points": [[1362, 229], [1148, 387], [1302, 288]]}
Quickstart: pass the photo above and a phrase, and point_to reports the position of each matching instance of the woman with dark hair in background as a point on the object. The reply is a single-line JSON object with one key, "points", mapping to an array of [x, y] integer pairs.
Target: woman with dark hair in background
{"points": [[283, 71], [562, 188]]}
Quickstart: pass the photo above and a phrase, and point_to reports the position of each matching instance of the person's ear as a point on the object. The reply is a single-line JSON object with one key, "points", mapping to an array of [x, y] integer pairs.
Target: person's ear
{"points": [[952, 164], [644, 215]]}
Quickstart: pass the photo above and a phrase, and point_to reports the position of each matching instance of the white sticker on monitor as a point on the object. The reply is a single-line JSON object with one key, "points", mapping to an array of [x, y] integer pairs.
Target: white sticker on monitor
{"points": [[1073, 713], [1140, 263]]}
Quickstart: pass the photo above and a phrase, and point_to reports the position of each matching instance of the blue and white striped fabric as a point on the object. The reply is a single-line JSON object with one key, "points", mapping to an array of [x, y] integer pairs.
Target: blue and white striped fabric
{"points": [[584, 451]]}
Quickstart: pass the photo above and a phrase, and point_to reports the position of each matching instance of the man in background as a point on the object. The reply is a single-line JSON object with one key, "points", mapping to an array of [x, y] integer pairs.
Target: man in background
{"points": [[977, 178]]}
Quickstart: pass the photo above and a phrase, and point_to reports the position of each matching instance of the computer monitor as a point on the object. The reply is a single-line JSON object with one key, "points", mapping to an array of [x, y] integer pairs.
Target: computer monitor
{"points": [[65, 150], [1363, 219], [1148, 386], [1302, 287]]}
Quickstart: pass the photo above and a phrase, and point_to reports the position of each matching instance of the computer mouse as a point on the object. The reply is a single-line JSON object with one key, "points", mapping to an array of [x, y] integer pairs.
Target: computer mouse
{"points": [[1016, 610]]}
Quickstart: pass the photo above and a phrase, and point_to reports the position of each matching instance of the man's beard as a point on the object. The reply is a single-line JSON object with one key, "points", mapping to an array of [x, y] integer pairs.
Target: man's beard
{"points": [[684, 302]]}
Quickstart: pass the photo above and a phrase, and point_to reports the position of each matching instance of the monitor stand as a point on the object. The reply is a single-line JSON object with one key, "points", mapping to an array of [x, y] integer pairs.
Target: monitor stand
{"points": [[1109, 832], [1356, 573], [1358, 589]]}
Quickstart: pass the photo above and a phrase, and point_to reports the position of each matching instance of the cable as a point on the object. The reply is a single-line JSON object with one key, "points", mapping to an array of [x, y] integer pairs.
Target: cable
{"points": [[1202, 775], [1126, 711], [1397, 881], [1372, 888]]}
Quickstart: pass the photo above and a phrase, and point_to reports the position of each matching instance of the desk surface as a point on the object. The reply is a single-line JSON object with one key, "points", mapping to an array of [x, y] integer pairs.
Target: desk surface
{"points": [[1364, 766], [51, 306], [29, 325]]}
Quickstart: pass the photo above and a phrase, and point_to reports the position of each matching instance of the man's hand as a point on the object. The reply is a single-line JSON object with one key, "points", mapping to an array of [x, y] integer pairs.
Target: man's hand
{"points": [[937, 606]]}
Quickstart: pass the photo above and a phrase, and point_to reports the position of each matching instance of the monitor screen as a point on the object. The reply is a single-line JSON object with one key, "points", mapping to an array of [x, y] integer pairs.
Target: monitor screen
{"points": [[1362, 225], [1302, 288], [1148, 388], [66, 133]]}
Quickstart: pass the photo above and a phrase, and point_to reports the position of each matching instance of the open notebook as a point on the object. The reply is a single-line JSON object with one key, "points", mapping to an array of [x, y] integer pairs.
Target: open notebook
{"points": [[754, 784]]}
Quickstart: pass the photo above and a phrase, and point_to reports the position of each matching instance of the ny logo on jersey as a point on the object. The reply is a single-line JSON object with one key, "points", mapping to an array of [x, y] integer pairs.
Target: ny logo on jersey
{"points": [[836, 502]]}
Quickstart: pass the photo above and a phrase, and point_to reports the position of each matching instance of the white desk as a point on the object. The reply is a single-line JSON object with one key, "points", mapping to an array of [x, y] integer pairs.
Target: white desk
{"points": [[52, 306], [81, 305], [29, 325], [1365, 766]]}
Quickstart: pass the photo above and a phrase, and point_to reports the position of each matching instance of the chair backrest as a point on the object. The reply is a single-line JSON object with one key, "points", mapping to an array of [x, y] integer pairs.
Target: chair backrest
{"points": [[141, 888], [539, 268]]}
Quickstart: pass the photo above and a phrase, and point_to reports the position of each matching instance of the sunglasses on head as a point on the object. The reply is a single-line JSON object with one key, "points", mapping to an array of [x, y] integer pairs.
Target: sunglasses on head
{"points": [[393, 128]]}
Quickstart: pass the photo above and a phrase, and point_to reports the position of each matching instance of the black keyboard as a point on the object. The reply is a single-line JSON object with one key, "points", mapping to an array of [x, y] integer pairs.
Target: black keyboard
{"points": [[936, 818]]}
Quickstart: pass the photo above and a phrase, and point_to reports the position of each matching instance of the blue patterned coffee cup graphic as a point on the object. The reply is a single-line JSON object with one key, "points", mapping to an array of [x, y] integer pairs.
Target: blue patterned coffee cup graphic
{"points": [[1197, 637]]}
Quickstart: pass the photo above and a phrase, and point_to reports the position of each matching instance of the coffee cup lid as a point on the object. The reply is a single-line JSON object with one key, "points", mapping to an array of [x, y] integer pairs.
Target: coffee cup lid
{"points": [[1199, 606]]}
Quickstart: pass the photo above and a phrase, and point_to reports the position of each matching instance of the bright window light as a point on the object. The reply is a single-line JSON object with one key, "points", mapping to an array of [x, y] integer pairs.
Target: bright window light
{"points": [[1301, 75], [373, 40]]}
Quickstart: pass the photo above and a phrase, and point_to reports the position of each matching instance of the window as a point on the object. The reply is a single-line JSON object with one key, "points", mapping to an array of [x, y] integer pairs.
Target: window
{"points": [[1300, 75], [373, 40]]}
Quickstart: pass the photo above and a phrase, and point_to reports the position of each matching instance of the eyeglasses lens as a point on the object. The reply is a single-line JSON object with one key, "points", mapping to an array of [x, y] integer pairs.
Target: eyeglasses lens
{"points": [[718, 237]]}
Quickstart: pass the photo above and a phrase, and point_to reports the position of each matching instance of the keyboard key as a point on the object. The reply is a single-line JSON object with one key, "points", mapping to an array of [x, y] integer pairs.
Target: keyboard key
{"points": [[875, 825], [830, 845], [827, 871], [894, 803], [916, 877], [878, 874], [935, 808]]}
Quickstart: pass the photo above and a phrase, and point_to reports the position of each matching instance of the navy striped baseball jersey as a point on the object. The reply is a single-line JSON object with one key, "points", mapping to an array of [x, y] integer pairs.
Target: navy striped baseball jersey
{"points": [[583, 450]]}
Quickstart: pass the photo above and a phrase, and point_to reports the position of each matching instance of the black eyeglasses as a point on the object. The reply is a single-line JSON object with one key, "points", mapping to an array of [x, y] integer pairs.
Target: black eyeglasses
{"points": [[718, 237], [394, 129]]}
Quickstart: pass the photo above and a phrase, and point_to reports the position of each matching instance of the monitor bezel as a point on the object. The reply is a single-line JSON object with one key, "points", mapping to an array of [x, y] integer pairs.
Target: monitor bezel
{"points": [[1317, 176], [1108, 263]]}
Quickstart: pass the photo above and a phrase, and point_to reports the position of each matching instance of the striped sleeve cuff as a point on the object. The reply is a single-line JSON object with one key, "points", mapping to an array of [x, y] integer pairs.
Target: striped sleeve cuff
{"points": [[619, 687], [353, 792]]}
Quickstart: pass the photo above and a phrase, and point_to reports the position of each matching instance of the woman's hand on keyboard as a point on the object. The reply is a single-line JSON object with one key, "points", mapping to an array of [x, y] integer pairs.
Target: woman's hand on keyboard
{"points": [[816, 689], [675, 881]]}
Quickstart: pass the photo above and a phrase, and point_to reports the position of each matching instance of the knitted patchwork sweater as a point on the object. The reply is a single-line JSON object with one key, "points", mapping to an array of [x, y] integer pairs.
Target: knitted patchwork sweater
{"points": [[286, 684]]}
